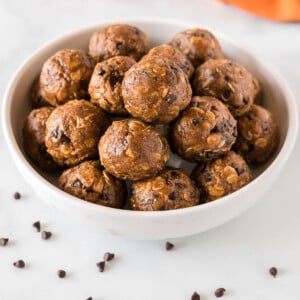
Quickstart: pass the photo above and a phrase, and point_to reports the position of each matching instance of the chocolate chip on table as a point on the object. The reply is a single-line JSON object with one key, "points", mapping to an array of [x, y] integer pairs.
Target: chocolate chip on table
{"points": [[273, 271], [219, 292], [101, 266], [19, 264], [46, 235], [169, 246], [37, 226], [195, 296], [89, 298], [61, 273], [108, 256], [3, 241], [17, 195]]}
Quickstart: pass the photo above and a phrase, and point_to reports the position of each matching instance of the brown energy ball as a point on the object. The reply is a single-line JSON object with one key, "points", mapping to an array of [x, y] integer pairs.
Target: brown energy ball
{"points": [[65, 76], [171, 189], [90, 182], [73, 131], [37, 99], [258, 135], [228, 81], [118, 39], [222, 176], [131, 149], [155, 90], [198, 45], [105, 87], [34, 131], [204, 131], [173, 54]]}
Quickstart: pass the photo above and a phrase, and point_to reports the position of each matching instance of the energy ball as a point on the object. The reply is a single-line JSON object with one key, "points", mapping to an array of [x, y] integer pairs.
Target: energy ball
{"points": [[73, 131], [198, 45], [90, 182], [258, 135], [37, 99], [34, 132], [65, 76], [204, 131], [105, 87], [174, 55], [155, 90], [133, 150], [171, 189], [228, 81], [118, 39], [222, 176]]}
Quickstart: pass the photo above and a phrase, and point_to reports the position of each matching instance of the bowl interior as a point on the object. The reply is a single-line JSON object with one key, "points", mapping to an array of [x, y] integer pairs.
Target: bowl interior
{"points": [[20, 104]]}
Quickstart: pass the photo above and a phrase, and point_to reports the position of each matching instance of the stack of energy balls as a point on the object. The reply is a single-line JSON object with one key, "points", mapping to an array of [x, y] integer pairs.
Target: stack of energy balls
{"points": [[95, 120]]}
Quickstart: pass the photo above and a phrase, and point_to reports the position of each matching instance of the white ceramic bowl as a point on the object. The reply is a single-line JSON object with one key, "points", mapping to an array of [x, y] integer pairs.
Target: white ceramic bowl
{"points": [[162, 224]]}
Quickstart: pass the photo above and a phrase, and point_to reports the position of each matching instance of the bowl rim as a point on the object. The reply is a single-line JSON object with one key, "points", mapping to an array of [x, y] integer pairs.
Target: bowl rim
{"points": [[32, 175]]}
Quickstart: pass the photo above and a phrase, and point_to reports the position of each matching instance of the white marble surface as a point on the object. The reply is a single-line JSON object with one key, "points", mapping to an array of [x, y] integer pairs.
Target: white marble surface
{"points": [[236, 256]]}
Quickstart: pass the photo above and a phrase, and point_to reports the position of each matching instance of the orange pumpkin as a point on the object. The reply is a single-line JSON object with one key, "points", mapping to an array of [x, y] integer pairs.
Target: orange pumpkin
{"points": [[279, 10]]}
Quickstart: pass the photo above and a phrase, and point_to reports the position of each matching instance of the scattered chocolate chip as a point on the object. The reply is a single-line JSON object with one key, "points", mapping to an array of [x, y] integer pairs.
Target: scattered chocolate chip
{"points": [[273, 271], [89, 298], [108, 256], [169, 246], [195, 296], [219, 292], [19, 264], [101, 266], [46, 235], [37, 226], [61, 273], [3, 241], [227, 78], [17, 195]]}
